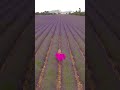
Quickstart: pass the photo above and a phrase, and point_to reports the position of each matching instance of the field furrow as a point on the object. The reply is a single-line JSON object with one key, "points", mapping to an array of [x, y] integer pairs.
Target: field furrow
{"points": [[65, 32], [79, 84], [59, 64], [50, 76], [44, 66]]}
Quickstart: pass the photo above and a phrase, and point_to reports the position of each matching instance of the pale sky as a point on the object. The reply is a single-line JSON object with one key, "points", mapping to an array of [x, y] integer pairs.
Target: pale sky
{"points": [[63, 5]]}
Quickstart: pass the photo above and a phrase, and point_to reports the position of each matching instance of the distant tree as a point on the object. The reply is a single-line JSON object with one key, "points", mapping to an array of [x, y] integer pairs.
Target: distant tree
{"points": [[78, 13], [44, 13], [82, 14], [37, 13], [79, 9]]}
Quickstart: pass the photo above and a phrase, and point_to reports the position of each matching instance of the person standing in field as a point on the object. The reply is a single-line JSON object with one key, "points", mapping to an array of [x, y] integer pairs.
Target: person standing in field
{"points": [[60, 56]]}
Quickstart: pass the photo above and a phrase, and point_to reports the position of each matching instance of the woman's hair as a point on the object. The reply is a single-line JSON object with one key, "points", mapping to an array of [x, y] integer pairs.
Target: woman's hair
{"points": [[59, 50]]}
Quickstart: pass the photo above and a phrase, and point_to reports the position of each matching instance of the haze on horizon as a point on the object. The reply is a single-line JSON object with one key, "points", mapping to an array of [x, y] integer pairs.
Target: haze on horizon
{"points": [[63, 5]]}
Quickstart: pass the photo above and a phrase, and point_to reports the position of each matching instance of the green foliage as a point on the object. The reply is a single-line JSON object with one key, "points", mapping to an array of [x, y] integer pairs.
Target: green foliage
{"points": [[44, 13], [78, 13], [37, 13], [82, 13]]}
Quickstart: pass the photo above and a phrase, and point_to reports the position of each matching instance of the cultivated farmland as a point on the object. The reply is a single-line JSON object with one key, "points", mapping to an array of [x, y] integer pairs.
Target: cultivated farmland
{"points": [[68, 33]]}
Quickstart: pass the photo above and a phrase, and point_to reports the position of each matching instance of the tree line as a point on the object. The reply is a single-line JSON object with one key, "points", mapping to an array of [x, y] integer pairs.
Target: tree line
{"points": [[73, 13], [77, 13], [44, 13]]}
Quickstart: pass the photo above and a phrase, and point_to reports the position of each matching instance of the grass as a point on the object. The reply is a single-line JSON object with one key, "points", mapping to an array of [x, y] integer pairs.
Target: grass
{"points": [[68, 82], [68, 76], [38, 66], [40, 56], [80, 64], [49, 81], [50, 76]]}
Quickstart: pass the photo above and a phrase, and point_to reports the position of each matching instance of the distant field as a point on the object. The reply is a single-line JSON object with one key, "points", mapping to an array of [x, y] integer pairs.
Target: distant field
{"points": [[68, 33]]}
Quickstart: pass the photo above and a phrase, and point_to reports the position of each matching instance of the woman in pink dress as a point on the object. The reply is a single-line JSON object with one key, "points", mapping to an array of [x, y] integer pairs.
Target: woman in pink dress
{"points": [[60, 56]]}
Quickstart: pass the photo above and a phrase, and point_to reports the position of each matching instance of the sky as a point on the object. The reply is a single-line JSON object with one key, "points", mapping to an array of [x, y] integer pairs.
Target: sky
{"points": [[63, 5]]}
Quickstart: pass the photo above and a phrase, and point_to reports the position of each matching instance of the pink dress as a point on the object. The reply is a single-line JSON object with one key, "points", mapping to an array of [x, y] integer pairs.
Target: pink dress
{"points": [[60, 56]]}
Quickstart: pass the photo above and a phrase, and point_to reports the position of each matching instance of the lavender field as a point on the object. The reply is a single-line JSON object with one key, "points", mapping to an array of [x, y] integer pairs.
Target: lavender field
{"points": [[68, 33]]}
